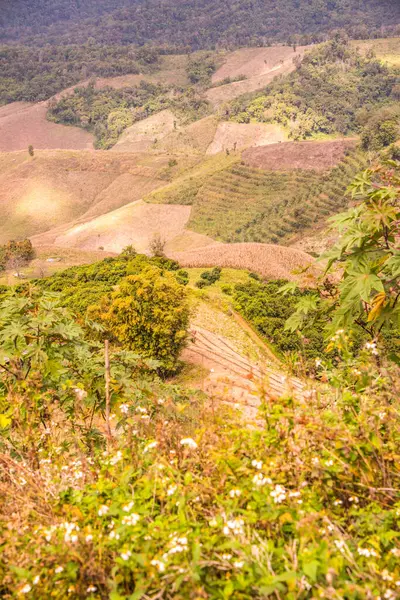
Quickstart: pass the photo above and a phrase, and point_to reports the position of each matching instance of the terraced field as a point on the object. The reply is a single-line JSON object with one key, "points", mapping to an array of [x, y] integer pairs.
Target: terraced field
{"points": [[245, 204]]}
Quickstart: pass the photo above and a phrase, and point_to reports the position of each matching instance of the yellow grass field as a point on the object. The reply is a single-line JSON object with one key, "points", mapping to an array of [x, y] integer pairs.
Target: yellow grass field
{"points": [[237, 136], [57, 187], [134, 224], [270, 261]]}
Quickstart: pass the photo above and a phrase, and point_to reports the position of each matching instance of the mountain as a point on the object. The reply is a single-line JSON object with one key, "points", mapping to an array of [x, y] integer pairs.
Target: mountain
{"points": [[193, 23]]}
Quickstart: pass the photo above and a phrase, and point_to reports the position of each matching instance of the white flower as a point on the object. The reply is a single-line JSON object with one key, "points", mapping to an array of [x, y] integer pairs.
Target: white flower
{"points": [[213, 523], [159, 564], [278, 494], [395, 551], [315, 460], [318, 362], [354, 499], [113, 535], [171, 490], [124, 408], [103, 510], [116, 458], [235, 493], [372, 347], [226, 556], [259, 480], [235, 526], [26, 589], [150, 446], [58, 570], [238, 564], [178, 544], [340, 545], [131, 519], [337, 503], [36, 580], [126, 555], [257, 464], [329, 463], [160, 401], [189, 443], [89, 537], [367, 552], [128, 507], [22, 481], [91, 588]]}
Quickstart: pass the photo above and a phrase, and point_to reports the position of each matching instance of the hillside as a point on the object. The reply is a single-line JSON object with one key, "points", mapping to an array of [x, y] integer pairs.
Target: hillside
{"points": [[195, 24]]}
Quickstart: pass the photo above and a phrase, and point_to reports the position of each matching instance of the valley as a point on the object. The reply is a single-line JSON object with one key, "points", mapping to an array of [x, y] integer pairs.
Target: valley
{"points": [[199, 300]]}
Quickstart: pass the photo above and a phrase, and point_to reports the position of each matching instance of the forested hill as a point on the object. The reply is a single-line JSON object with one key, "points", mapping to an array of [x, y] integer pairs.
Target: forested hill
{"points": [[194, 23]]}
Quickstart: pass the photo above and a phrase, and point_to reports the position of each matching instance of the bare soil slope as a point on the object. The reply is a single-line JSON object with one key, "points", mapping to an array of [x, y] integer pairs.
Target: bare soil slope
{"points": [[236, 136], [259, 65], [270, 261], [316, 156], [54, 188], [23, 124], [134, 224]]}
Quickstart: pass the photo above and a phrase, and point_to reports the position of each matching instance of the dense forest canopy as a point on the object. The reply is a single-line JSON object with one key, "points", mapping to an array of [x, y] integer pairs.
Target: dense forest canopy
{"points": [[200, 24]]}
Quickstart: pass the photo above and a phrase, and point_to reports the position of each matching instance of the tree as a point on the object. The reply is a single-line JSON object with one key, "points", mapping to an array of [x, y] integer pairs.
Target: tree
{"points": [[31, 150], [157, 245], [365, 262], [148, 314]]}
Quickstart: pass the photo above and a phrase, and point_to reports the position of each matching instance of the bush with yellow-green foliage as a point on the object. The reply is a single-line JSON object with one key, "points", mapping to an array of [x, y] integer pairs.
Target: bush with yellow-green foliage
{"points": [[147, 313]]}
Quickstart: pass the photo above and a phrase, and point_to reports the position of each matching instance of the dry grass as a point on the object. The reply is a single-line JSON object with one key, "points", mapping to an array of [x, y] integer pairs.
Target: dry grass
{"points": [[243, 135], [134, 224], [141, 136], [190, 139], [270, 261], [22, 124], [259, 65], [386, 49], [315, 156], [57, 187]]}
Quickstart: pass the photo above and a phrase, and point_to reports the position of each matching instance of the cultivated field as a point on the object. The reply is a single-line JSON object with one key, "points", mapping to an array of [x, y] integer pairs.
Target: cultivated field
{"points": [[23, 124], [135, 224], [270, 261], [236, 136], [259, 65], [57, 187], [316, 156], [189, 139]]}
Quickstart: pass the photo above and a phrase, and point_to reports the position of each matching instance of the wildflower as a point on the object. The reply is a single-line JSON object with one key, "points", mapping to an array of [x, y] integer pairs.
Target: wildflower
{"points": [[318, 362], [294, 494], [150, 446], [103, 510], [367, 552], [159, 564], [91, 588], [329, 463], [58, 570], [124, 408], [141, 410], [128, 507], [315, 460], [22, 481], [226, 556], [337, 503], [278, 494], [238, 564], [389, 594], [126, 555], [189, 443], [213, 523], [386, 576], [88, 538], [235, 493], [354, 499], [340, 545], [235, 526], [171, 490], [113, 536], [178, 544], [160, 401], [26, 589], [36, 580], [372, 347], [116, 458], [131, 519], [395, 551], [257, 464], [259, 480]]}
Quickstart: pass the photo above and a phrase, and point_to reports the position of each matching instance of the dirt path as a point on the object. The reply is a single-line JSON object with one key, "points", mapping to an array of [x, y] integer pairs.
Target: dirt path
{"points": [[234, 379]]}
